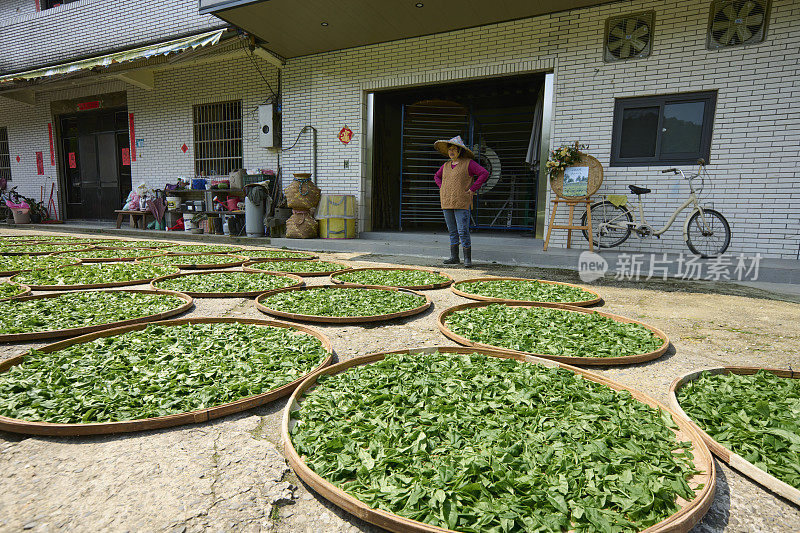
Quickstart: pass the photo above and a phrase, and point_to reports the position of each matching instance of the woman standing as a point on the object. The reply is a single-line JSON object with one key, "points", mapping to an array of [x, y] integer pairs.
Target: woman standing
{"points": [[458, 180]]}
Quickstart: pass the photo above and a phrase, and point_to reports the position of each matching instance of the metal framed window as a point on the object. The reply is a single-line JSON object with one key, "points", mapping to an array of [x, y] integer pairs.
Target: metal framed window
{"points": [[218, 138], [669, 129], [5, 155], [47, 4]]}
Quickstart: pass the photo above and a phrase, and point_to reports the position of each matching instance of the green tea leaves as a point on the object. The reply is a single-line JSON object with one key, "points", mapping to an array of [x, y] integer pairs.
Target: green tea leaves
{"points": [[91, 274], [16, 263], [193, 259], [527, 290], [9, 289], [226, 282], [81, 309], [265, 253], [475, 443], [392, 278], [756, 416], [299, 267], [157, 371], [342, 301], [549, 331]]}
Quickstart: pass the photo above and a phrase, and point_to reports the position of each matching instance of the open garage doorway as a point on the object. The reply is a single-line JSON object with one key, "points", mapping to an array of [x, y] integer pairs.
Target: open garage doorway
{"points": [[500, 119]]}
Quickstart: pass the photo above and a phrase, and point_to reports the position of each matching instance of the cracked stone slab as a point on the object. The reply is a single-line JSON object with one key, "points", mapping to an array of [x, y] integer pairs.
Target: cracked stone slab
{"points": [[217, 475]]}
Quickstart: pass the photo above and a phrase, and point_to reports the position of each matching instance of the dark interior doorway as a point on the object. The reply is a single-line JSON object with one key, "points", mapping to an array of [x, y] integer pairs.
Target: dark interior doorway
{"points": [[496, 117], [95, 162]]}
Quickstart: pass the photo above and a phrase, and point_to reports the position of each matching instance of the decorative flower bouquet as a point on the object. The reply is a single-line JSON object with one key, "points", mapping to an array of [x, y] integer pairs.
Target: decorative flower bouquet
{"points": [[564, 156]]}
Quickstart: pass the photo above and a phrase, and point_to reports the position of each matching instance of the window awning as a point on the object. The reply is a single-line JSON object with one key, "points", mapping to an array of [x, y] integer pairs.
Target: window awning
{"points": [[144, 52]]}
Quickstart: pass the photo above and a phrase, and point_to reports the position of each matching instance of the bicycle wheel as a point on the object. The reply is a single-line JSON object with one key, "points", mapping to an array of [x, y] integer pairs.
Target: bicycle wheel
{"points": [[709, 235], [610, 226]]}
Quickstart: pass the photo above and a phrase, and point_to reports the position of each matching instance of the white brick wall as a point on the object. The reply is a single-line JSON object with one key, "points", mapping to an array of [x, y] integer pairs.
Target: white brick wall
{"points": [[163, 116], [162, 120], [16, 8], [87, 27], [756, 142], [755, 147]]}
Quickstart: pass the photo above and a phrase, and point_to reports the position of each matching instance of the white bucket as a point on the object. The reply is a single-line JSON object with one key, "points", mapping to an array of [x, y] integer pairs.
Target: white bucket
{"points": [[173, 202]]}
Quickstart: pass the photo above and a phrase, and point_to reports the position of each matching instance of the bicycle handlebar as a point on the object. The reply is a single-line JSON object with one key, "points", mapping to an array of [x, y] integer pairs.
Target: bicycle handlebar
{"points": [[673, 170]]}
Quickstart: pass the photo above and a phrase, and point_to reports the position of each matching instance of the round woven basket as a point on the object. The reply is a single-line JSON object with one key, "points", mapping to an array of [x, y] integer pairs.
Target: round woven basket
{"points": [[298, 282], [187, 304], [430, 286], [25, 291], [472, 296], [687, 515], [567, 359], [341, 319], [724, 454], [192, 417], [595, 177]]}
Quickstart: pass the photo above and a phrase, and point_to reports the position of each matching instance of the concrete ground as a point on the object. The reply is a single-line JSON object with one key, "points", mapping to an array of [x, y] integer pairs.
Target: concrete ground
{"points": [[230, 475]]}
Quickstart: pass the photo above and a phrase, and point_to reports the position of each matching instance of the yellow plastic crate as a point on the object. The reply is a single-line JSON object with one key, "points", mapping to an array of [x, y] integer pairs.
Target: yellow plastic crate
{"points": [[337, 206], [337, 228]]}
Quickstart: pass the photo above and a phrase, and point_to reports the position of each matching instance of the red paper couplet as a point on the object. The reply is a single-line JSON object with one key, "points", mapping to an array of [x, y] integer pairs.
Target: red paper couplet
{"points": [[126, 157], [40, 163], [52, 152], [132, 136], [72, 162], [86, 106]]}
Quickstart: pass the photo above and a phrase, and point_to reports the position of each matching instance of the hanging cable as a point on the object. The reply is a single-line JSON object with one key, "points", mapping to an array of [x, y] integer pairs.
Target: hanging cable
{"points": [[251, 56]]}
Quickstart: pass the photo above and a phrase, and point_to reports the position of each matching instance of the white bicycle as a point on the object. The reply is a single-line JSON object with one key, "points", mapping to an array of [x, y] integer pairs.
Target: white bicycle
{"points": [[706, 232]]}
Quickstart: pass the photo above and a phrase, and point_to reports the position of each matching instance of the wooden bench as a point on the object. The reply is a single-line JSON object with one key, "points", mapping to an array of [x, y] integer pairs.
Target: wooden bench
{"points": [[135, 216]]}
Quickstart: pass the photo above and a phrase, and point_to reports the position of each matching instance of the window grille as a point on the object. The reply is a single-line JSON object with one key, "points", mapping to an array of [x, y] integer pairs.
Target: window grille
{"points": [[217, 138], [5, 156]]}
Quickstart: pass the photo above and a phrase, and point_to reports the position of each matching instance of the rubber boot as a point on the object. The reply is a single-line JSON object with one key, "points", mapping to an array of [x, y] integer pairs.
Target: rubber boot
{"points": [[467, 256], [453, 256]]}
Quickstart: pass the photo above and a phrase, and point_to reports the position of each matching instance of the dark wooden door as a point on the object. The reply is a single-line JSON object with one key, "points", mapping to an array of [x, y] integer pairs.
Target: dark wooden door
{"points": [[90, 173], [98, 180], [108, 171]]}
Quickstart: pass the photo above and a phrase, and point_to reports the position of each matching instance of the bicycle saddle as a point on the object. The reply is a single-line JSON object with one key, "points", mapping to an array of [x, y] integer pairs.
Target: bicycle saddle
{"points": [[638, 190]]}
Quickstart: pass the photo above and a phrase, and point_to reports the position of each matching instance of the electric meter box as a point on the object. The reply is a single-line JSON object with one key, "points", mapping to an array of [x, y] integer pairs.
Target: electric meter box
{"points": [[268, 126]]}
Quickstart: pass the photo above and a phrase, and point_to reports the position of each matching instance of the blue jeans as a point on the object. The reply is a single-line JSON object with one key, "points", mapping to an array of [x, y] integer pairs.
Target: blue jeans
{"points": [[458, 225]]}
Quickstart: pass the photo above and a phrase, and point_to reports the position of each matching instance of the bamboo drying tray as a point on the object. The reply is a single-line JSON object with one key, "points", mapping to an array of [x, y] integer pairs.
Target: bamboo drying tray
{"points": [[732, 459], [430, 286], [570, 360], [192, 417], [15, 272], [249, 267], [78, 248], [109, 285], [296, 254], [582, 303], [688, 515], [298, 282], [342, 319], [25, 292], [122, 256], [232, 261], [72, 332]]}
